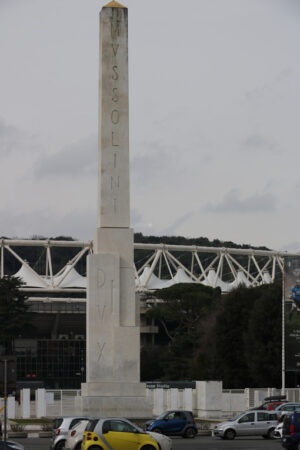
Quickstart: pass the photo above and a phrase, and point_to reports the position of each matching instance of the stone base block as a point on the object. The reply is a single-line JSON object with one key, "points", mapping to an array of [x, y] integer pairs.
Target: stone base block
{"points": [[113, 399], [113, 389]]}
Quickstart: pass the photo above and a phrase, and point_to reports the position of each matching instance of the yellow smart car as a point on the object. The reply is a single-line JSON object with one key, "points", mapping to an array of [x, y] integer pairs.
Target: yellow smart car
{"points": [[116, 434]]}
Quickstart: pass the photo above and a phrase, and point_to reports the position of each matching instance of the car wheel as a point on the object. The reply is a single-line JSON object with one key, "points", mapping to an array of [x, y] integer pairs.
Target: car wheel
{"points": [[229, 434], [78, 446], [298, 446], [157, 430], [190, 433], [271, 433], [60, 445], [147, 447]]}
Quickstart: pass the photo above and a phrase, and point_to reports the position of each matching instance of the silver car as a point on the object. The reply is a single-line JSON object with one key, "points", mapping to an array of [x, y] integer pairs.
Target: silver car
{"points": [[61, 427], [286, 408], [75, 435], [248, 423]]}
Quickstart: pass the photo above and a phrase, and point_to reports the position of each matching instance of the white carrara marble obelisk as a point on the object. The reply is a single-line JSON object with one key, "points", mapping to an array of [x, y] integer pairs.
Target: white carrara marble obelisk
{"points": [[113, 385]]}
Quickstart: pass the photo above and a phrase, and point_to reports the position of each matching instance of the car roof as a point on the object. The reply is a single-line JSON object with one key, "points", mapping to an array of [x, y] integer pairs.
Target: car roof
{"points": [[287, 403], [180, 410], [260, 410], [71, 417]]}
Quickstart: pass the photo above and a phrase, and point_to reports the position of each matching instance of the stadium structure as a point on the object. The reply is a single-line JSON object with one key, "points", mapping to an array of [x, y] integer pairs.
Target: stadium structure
{"points": [[54, 357]]}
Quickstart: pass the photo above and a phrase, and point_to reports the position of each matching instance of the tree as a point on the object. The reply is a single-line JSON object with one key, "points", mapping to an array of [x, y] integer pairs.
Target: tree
{"points": [[231, 325], [235, 338], [180, 311], [248, 337], [263, 338], [14, 316]]}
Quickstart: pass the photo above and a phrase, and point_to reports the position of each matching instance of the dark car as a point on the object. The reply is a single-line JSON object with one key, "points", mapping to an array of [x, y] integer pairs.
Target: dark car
{"points": [[271, 403], [291, 431], [11, 445], [174, 423]]}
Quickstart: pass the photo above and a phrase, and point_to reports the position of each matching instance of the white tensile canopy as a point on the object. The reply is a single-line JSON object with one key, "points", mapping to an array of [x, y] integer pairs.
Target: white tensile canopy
{"points": [[267, 277], [214, 281], [156, 283], [70, 278], [180, 277], [153, 283], [29, 277], [241, 280]]}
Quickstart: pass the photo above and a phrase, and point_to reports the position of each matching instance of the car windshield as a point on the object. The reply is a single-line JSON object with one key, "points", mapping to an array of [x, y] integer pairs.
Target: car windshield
{"points": [[78, 424], [91, 425], [57, 422], [162, 416], [140, 430], [236, 417]]}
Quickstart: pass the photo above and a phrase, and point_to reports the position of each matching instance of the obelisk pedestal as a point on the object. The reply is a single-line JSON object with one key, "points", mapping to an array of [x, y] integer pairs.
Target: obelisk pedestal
{"points": [[113, 385]]}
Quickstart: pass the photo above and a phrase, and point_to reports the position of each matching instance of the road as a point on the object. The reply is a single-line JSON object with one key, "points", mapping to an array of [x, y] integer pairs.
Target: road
{"points": [[199, 443]]}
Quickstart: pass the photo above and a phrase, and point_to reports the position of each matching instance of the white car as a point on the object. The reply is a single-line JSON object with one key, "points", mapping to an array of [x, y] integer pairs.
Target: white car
{"points": [[164, 442], [75, 436], [278, 431]]}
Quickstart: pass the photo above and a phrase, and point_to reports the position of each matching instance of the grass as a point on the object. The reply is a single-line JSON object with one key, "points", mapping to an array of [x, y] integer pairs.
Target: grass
{"points": [[33, 421]]}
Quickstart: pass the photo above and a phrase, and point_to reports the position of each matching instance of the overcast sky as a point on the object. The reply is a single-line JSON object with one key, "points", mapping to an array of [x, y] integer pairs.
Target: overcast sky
{"points": [[214, 118]]}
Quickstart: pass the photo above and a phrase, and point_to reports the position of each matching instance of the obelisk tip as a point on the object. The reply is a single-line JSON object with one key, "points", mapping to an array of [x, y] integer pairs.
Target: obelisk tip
{"points": [[114, 4]]}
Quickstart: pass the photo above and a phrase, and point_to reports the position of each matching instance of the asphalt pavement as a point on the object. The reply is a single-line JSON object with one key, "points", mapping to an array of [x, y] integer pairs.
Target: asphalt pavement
{"points": [[199, 443]]}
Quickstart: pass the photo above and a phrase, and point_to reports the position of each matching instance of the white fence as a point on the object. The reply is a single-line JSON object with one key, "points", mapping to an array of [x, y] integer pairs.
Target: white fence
{"points": [[208, 401]]}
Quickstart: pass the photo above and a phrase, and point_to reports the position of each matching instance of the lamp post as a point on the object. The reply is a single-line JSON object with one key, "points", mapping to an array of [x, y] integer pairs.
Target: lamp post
{"points": [[5, 403]]}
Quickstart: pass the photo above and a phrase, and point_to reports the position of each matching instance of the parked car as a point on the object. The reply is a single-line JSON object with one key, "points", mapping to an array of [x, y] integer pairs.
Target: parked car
{"points": [[75, 435], [61, 426], [11, 445], [291, 431], [116, 433], [248, 423], [278, 431], [164, 442], [271, 403], [286, 407], [174, 423]]}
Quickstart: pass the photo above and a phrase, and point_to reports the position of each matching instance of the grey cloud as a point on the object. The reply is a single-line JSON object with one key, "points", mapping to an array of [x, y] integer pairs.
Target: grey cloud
{"points": [[233, 203], [11, 139], [172, 229], [291, 247], [80, 224], [156, 162], [258, 142], [151, 163], [136, 218], [258, 93], [78, 158]]}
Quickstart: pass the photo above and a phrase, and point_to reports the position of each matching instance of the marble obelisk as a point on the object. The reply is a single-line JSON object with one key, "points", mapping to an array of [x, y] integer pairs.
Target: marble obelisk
{"points": [[113, 385]]}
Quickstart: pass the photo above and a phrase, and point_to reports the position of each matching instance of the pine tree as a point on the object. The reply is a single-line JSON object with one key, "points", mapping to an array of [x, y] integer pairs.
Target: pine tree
{"points": [[14, 316]]}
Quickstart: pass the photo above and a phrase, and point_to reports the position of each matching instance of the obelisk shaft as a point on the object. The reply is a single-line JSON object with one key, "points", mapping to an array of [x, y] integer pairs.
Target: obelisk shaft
{"points": [[113, 203]]}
